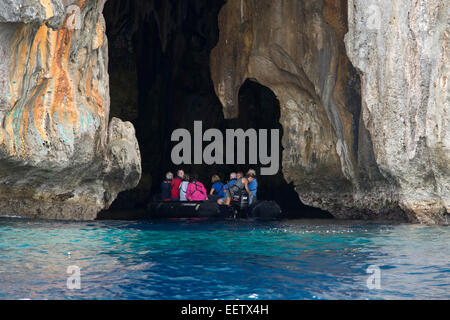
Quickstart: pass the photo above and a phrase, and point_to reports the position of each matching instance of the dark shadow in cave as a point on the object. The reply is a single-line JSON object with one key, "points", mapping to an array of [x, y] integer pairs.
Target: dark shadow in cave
{"points": [[259, 108], [160, 81], [160, 78]]}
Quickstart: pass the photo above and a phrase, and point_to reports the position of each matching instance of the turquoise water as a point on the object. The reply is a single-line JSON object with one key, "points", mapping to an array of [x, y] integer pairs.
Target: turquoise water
{"points": [[222, 260]]}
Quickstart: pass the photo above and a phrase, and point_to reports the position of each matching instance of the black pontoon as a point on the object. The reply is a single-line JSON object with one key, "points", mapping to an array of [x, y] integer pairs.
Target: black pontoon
{"points": [[261, 209]]}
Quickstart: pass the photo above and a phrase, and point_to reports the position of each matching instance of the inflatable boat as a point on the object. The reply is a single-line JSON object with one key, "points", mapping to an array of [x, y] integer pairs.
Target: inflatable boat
{"points": [[261, 209]]}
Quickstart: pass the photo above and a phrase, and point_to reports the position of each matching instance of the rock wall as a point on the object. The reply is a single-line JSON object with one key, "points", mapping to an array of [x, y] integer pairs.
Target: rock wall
{"points": [[369, 142], [60, 156], [401, 49]]}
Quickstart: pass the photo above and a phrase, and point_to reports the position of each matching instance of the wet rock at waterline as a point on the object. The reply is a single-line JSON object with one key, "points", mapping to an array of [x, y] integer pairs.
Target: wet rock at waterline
{"points": [[60, 155], [363, 93]]}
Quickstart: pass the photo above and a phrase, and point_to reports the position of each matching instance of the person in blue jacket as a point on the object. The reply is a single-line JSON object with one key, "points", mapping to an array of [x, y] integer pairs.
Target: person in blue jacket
{"points": [[231, 182], [218, 188], [252, 186], [228, 185]]}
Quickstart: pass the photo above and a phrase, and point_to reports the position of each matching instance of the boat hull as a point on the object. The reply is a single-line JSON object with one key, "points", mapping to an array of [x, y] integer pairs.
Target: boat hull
{"points": [[266, 210]]}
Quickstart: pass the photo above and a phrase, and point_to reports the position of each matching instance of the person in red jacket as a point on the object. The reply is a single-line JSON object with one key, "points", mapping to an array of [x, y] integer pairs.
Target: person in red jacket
{"points": [[175, 186]]}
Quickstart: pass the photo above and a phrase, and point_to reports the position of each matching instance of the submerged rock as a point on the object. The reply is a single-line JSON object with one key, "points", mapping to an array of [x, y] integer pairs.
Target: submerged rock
{"points": [[60, 156], [363, 141]]}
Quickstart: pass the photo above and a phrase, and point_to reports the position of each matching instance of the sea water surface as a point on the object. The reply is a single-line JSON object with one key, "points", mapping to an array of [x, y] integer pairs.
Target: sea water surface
{"points": [[186, 259]]}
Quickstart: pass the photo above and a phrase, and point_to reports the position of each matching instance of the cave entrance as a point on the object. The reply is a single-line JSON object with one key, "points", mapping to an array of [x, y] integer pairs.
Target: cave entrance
{"points": [[160, 81], [259, 108]]}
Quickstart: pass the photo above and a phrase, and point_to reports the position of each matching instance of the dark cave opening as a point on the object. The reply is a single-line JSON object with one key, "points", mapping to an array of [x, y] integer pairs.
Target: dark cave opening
{"points": [[259, 108], [160, 81], [160, 78]]}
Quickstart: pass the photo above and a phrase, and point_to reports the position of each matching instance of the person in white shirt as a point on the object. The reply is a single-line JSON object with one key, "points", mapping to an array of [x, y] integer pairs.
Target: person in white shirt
{"points": [[183, 187]]}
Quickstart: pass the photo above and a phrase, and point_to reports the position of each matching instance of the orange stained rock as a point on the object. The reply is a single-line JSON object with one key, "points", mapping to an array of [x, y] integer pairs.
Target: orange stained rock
{"points": [[45, 53], [92, 88], [81, 3], [47, 4], [98, 40], [62, 103], [19, 55]]}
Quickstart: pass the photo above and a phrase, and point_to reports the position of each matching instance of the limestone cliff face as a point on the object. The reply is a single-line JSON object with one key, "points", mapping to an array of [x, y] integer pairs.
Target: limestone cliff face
{"points": [[402, 52], [368, 140], [60, 156]]}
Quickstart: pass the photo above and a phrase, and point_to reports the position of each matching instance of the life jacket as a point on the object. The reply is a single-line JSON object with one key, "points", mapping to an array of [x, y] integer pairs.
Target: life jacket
{"points": [[236, 189]]}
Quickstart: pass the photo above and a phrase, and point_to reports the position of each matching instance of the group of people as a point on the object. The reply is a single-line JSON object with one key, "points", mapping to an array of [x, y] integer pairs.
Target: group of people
{"points": [[185, 187]]}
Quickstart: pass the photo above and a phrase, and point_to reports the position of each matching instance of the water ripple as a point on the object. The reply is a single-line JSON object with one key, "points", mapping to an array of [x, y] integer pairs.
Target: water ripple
{"points": [[222, 260]]}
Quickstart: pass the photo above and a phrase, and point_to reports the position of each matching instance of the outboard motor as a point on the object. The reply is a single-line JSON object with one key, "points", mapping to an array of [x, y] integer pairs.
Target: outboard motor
{"points": [[244, 201], [240, 204]]}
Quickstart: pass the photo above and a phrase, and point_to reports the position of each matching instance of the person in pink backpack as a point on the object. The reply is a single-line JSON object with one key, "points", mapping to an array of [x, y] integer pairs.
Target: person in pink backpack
{"points": [[196, 191]]}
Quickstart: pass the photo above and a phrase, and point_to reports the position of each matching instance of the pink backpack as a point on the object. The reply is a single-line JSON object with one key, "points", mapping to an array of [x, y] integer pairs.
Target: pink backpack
{"points": [[196, 191]]}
